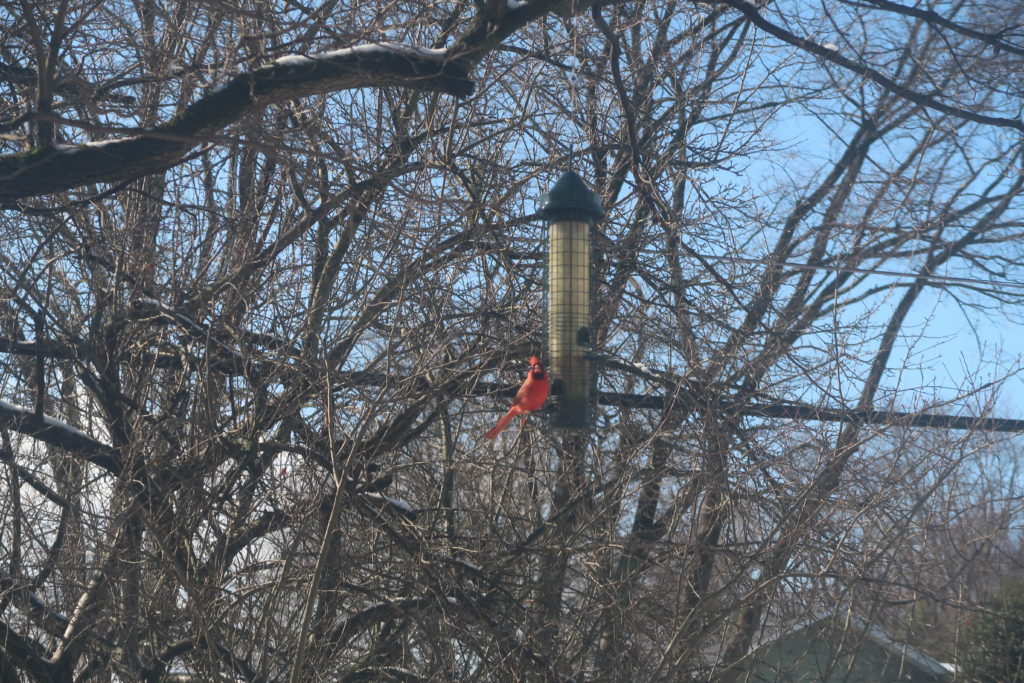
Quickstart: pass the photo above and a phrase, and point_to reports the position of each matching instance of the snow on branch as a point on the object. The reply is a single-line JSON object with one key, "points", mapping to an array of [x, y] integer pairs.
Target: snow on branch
{"points": [[121, 159], [56, 168], [52, 431], [398, 506]]}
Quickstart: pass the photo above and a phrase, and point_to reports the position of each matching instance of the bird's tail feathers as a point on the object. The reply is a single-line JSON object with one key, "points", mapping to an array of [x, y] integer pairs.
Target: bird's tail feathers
{"points": [[503, 422]]}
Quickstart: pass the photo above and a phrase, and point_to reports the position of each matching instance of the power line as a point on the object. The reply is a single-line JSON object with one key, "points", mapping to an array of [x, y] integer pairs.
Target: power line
{"points": [[805, 411], [768, 409], [787, 410]]}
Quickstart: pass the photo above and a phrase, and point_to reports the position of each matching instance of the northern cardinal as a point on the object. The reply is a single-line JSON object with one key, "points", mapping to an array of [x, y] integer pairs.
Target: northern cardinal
{"points": [[530, 397]]}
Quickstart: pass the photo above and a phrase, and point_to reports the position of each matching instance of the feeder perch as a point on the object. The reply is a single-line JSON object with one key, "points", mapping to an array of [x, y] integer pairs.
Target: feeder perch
{"points": [[571, 211]]}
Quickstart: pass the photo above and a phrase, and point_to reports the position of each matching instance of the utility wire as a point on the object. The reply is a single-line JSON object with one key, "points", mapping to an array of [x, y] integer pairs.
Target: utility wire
{"points": [[789, 410], [805, 411]]}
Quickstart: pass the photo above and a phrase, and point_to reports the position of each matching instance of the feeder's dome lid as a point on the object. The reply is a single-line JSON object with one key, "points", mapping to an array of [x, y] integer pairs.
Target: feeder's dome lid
{"points": [[571, 194]]}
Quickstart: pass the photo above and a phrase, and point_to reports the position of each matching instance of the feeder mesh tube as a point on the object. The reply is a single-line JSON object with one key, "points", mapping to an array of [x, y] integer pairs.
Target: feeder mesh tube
{"points": [[569, 321]]}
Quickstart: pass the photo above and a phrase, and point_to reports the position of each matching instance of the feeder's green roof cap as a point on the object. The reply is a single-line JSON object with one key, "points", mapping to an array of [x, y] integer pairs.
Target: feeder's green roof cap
{"points": [[571, 194]]}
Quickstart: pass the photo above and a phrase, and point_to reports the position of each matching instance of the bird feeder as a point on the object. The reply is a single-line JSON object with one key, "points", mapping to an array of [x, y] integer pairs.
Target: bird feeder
{"points": [[571, 211]]}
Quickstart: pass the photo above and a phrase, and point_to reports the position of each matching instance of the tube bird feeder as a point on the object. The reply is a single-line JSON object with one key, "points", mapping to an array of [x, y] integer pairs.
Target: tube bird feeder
{"points": [[571, 211]]}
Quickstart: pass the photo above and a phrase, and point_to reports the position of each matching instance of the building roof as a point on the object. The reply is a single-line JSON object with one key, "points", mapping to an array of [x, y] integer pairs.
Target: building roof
{"points": [[794, 650]]}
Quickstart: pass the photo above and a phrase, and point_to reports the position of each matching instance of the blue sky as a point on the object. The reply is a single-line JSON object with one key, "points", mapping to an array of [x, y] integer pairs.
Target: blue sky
{"points": [[947, 350]]}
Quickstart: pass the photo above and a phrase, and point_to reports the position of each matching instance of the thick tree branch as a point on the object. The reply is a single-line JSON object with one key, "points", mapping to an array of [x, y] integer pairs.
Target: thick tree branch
{"points": [[996, 41], [61, 167], [55, 433], [750, 12], [24, 653], [56, 168]]}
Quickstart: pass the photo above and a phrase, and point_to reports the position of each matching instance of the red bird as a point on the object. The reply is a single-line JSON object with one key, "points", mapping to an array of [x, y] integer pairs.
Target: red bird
{"points": [[530, 397]]}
